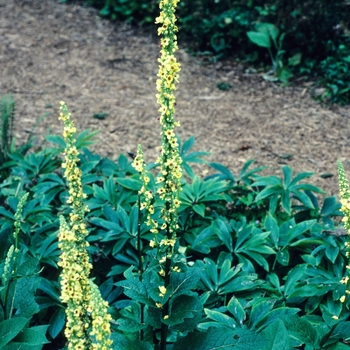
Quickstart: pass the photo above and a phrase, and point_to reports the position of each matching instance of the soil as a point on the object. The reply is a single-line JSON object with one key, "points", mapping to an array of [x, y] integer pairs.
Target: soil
{"points": [[51, 51]]}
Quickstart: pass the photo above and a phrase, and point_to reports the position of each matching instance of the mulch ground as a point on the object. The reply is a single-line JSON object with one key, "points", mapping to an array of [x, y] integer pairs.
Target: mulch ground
{"points": [[51, 51]]}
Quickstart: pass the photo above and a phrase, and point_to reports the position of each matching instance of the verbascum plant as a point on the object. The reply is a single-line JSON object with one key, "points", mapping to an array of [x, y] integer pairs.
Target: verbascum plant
{"points": [[345, 209], [10, 265], [169, 159], [87, 325]]}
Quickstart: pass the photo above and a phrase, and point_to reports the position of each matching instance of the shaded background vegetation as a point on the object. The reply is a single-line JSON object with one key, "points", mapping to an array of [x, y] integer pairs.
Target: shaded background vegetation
{"points": [[316, 29]]}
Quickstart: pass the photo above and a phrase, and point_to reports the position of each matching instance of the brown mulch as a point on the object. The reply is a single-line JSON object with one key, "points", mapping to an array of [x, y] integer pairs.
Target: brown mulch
{"points": [[51, 51]]}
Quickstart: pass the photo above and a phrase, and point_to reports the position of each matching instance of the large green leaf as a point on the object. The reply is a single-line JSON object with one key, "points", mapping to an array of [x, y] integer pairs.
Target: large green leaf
{"points": [[182, 307], [57, 322], [272, 226], [236, 309], [131, 184], [10, 328], [34, 336], [121, 342], [221, 338], [223, 231], [277, 335], [301, 331], [293, 277], [260, 39]]}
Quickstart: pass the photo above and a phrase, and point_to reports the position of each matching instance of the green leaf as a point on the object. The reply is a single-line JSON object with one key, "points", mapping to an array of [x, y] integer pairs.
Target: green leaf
{"points": [[222, 230], [136, 290], [285, 201], [58, 140], [276, 314], [332, 253], [283, 257], [187, 145], [236, 310], [277, 335], [6, 213], [220, 318], [182, 307], [26, 284], [272, 226], [131, 184], [301, 330], [299, 177], [268, 181], [260, 39], [299, 229], [259, 311], [270, 29], [10, 328], [227, 174], [330, 205], [183, 282], [199, 209], [124, 218], [295, 59], [221, 338], [283, 74], [293, 277], [287, 172], [121, 342], [269, 191], [227, 273], [57, 322], [341, 331], [34, 336], [240, 283]]}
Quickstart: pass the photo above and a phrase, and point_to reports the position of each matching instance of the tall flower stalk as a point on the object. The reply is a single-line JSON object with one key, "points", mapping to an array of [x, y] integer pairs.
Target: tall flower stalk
{"points": [[10, 266], [87, 325], [169, 158]]}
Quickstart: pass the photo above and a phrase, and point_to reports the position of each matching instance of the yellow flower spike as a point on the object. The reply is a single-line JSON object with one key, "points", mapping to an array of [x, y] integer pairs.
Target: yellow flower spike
{"points": [[76, 290], [169, 159]]}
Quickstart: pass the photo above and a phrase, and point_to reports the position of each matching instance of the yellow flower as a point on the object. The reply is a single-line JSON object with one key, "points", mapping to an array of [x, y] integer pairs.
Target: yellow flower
{"points": [[162, 290]]}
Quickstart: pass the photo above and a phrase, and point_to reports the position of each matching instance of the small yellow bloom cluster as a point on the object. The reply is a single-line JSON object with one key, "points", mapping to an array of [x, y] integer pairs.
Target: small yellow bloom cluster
{"points": [[162, 290], [345, 209], [147, 203], [76, 288], [101, 328]]}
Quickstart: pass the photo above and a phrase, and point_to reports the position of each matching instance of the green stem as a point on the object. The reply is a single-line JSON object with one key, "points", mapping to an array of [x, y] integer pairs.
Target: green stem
{"points": [[140, 260], [165, 310]]}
